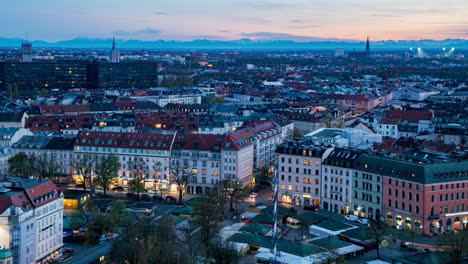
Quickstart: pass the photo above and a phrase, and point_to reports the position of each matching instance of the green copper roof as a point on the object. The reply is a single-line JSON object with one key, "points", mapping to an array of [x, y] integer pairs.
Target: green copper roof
{"points": [[309, 218], [257, 228], [429, 258], [362, 233], [333, 225], [264, 218], [185, 210], [5, 253], [423, 173], [280, 209], [330, 243], [291, 247]]}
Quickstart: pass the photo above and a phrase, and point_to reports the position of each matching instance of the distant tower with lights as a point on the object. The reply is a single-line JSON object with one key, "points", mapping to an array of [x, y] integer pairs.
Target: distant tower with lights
{"points": [[115, 54], [367, 47], [26, 51]]}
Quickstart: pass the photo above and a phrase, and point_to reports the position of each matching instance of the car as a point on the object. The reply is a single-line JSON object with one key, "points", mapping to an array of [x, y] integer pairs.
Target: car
{"points": [[146, 197], [130, 194], [253, 195], [364, 221], [310, 208], [351, 218], [170, 198], [79, 185], [158, 198], [118, 188]]}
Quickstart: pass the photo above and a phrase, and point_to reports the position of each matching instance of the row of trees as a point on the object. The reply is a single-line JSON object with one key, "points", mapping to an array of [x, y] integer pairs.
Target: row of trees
{"points": [[157, 241], [46, 166], [97, 223]]}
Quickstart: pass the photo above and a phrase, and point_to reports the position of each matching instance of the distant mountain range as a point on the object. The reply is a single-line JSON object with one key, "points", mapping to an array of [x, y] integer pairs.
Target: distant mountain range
{"points": [[246, 44]]}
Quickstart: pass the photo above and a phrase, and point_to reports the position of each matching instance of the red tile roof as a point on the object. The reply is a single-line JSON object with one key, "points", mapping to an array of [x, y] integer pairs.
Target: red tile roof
{"points": [[410, 116], [60, 109], [124, 140]]}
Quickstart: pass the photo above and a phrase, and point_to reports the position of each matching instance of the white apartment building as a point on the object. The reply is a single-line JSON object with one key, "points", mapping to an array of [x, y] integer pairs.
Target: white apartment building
{"points": [[388, 127], [171, 99], [31, 217], [337, 182], [59, 149], [300, 173], [150, 152]]}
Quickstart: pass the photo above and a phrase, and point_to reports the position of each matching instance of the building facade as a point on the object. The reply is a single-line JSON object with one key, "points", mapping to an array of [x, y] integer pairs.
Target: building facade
{"points": [[337, 180], [300, 172], [31, 218]]}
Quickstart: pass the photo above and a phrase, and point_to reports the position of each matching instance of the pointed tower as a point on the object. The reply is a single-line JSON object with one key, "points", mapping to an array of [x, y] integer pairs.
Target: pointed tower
{"points": [[114, 54], [367, 47]]}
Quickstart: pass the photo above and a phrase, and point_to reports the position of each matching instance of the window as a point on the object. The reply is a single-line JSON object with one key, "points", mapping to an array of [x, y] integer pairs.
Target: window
{"points": [[417, 197], [417, 209], [390, 203], [432, 198]]}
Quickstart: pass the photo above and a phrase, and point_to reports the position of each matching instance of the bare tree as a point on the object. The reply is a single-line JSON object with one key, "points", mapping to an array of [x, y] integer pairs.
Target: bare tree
{"points": [[455, 245], [46, 166], [181, 178], [378, 229], [106, 171], [84, 168], [140, 170]]}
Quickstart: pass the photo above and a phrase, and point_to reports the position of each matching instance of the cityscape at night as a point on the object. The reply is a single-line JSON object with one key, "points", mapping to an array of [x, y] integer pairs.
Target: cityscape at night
{"points": [[234, 132]]}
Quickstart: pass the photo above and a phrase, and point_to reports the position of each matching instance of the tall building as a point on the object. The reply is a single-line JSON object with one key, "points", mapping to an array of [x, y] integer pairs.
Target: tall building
{"points": [[300, 170], [367, 47], [115, 54], [31, 219], [26, 51]]}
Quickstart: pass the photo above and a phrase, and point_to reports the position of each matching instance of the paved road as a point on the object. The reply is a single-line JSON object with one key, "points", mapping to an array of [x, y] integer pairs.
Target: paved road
{"points": [[91, 254]]}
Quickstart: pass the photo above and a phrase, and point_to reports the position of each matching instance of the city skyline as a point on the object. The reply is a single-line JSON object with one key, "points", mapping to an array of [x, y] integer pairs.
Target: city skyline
{"points": [[297, 20]]}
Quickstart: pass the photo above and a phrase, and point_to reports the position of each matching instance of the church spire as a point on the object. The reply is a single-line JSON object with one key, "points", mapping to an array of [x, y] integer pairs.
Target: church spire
{"points": [[367, 46], [113, 42]]}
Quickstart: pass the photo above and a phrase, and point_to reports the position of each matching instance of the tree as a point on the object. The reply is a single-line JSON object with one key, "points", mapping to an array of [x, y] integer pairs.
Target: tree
{"points": [[264, 174], [206, 217], [140, 169], [222, 252], [411, 233], [180, 177], [455, 245], [120, 214], [84, 167], [83, 215], [20, 165], [46, 166], [99, 225], [149, 241], [235, 191], [106, 170], [328, 120], [378, 230]]}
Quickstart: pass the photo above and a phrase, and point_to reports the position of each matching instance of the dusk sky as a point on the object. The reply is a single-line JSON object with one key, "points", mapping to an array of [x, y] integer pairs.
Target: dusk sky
{"points": [[299, 20]]}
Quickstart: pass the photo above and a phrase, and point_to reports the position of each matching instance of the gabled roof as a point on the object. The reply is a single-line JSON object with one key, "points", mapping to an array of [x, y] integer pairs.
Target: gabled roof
{"points": [[11, 117], [205, 142]]}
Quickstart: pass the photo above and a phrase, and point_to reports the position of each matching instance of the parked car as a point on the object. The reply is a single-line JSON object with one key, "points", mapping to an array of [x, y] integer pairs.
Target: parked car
{"points": [[351, 218], [146, 197], [130, 194], [364, 221], [253, 195], [118, 189], [170, 198], [158, 198], [79, 185], [310, 208]]}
